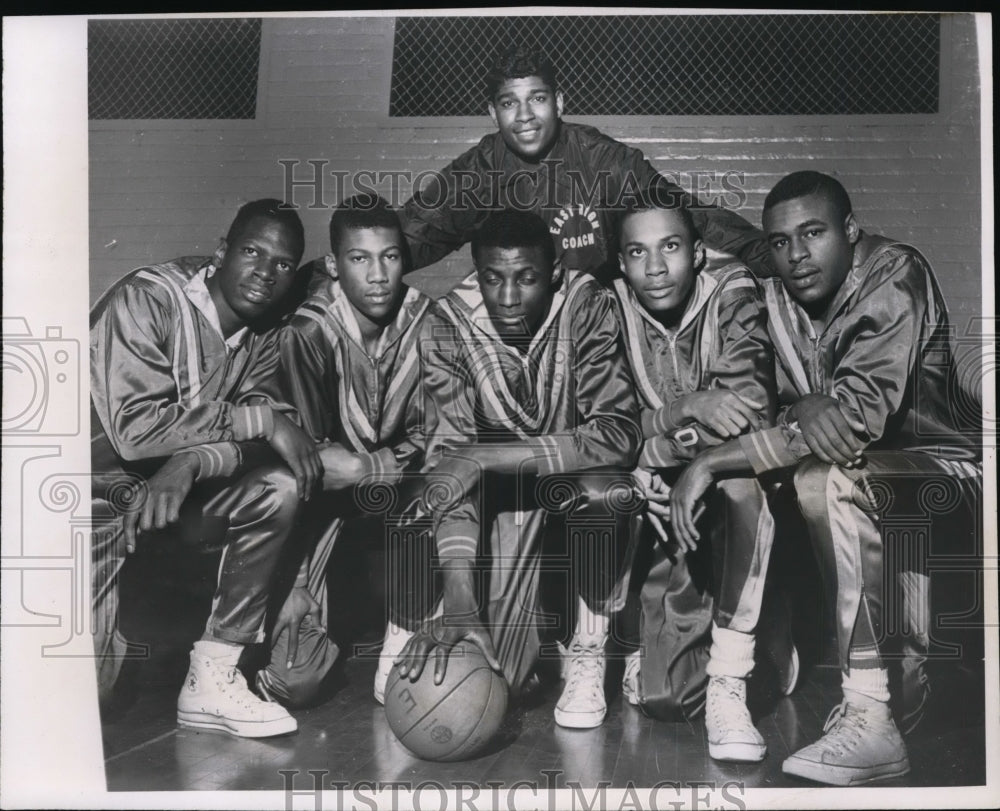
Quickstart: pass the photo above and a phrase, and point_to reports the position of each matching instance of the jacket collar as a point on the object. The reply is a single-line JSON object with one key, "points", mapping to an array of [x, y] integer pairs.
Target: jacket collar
{"points": [[340, 308], [197, 292], [467, 299], [704, 286], [861, 265]]}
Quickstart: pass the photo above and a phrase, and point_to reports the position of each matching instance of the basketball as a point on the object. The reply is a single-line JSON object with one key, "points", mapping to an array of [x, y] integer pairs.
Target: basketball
{"points": [[454, 720]]}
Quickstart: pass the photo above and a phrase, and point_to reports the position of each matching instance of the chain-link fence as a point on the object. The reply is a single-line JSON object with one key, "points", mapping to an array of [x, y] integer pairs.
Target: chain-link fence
{"points": [[173, 68], [681, 65]]}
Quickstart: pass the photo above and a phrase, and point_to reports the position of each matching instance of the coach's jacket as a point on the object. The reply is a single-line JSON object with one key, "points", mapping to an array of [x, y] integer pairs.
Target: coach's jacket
{"points": [[885, 356], [163, 378], [579, 190], [570, 396], [720, 343]]}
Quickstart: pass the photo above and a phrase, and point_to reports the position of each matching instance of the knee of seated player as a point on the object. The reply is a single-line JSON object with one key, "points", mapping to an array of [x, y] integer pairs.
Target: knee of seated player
{"points": [[811, 478], [740, 490], [274, 487], [604, 492]]}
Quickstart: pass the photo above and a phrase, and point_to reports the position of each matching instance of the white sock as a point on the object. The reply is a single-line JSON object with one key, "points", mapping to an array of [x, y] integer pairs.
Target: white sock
{"points": [[871, 682], [225, 653], [731, 653]]}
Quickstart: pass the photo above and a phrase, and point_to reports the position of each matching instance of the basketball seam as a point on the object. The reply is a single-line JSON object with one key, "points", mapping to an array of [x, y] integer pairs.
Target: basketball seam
{"points": [[489, 700], [452, 690]]}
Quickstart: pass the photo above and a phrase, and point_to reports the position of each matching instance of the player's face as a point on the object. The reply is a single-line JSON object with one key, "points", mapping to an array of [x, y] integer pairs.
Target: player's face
{"points": [[254, 272], [812, 247], [370, 268], [527, 113], [660, 260], [517, 285]]}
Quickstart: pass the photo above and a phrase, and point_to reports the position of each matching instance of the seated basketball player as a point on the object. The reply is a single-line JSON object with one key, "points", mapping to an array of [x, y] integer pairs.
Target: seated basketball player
{"points": [[175, 362], [864, 372], [697, 343], [572, 175], [532, 425], [349, 365]]}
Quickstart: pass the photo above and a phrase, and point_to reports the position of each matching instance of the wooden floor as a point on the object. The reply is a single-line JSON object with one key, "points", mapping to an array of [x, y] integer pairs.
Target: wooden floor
{"points": [[349, 738], [347, 735]]}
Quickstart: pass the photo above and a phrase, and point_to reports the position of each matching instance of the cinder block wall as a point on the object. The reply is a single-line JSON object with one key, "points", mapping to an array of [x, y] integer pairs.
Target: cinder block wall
{"points": [[160, 189]]}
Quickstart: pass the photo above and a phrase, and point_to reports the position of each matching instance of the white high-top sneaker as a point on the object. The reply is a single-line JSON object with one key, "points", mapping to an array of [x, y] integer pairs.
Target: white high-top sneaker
{"points": [[216, 696], [731, 733], [860, 744], [582, 704], [395, 639]]}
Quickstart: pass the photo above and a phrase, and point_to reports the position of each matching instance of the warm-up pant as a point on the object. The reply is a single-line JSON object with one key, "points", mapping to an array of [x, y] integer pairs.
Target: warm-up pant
{"points": [[249, 518], [873, 527], [740, 529], [576, 530], [408, 577]]}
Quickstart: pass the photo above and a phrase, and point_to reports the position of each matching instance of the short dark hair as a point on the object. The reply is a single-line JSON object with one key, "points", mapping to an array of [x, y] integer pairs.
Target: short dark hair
{"points": [[361, 211], [518, 62], [802, 184], [270, 209], [660, 198], [514, 229]]}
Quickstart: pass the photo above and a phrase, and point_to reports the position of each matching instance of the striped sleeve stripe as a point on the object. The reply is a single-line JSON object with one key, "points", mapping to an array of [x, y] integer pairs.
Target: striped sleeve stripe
{"points": [[766, 451], [253, 422], [381, 466], [457, 546], [377, 468], [661, 419], [242, 428], [547, 454], [215, 460], [651, 456], [211, 462]]}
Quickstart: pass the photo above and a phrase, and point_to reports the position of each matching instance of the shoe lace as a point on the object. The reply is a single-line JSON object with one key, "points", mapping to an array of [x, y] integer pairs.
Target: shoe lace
{"points": [[242, 692], [844, 729], [584, 671], [729, 709]]}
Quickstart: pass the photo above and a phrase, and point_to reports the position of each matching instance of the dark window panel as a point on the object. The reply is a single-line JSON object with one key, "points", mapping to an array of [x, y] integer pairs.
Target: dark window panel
{"points": [[177, 69], [828, 64]]}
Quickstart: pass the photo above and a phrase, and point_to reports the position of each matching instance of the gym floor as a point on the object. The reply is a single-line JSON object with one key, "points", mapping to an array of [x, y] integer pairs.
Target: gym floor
{"points": [[165, 599]]}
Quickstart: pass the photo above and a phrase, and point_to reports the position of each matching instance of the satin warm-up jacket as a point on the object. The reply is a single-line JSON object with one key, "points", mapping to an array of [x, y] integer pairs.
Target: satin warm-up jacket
{"points": [[342, 394], [885, 356], [720, 343], [570, 396], [163, 378]]}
